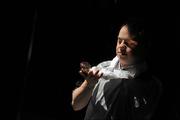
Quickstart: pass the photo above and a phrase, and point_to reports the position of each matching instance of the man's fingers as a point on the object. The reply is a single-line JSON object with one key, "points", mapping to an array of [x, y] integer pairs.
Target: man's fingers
{"points": [[90, 73], [100, 73], [93, 70], [82, 73], [93, 74]]}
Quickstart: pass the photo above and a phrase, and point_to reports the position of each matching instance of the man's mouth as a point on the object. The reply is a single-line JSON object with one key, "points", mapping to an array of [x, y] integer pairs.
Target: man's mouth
{"points": [[122, 53]]}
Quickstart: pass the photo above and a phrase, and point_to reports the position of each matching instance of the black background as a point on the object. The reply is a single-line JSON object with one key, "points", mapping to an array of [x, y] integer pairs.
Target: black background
{"points": [[66, 33]]}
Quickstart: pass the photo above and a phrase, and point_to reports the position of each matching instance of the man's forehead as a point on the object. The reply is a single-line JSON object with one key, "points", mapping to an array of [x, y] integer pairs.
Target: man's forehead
{"points": [[124, 29], [123, 32]]}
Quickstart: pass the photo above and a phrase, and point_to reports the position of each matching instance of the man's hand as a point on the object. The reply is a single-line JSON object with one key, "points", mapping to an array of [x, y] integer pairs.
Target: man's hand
{"points": [[90, 74]]}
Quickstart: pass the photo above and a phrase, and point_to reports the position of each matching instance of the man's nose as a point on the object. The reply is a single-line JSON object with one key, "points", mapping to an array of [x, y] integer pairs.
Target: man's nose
{"points": [[122, 45]]}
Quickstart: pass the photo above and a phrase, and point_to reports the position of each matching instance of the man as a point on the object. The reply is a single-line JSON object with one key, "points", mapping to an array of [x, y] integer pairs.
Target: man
{"points": [[123, 88]]}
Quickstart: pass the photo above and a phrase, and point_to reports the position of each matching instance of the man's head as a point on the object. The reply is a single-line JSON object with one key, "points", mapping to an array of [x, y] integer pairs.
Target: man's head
{"points": [[131, 43]]}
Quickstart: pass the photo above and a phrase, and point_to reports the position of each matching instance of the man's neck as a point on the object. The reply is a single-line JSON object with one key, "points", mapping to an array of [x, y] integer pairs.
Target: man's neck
{"points": [[126, 65]]}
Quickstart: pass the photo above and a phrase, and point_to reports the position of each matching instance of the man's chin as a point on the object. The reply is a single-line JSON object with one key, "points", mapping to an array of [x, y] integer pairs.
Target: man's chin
{"points": [[123, 56]]}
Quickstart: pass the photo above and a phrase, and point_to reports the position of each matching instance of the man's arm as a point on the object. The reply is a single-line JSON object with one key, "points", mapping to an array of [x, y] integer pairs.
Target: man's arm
{"points": [[82, 94]]}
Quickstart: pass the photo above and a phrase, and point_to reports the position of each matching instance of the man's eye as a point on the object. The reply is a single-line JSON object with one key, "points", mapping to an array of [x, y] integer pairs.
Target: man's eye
{"points": [[126, 43], [132, 45]]}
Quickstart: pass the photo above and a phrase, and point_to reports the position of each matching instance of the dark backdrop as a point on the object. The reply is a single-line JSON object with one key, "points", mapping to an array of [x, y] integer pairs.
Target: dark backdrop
{"points": [[64, 34]]}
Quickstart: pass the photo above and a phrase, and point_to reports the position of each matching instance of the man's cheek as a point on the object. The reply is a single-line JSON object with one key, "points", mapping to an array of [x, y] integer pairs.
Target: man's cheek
{"points": [[128, 50]]}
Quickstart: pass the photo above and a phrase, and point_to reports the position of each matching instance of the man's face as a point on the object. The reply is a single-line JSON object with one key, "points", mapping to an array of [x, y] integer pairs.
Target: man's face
{"points": [[125, 46]]}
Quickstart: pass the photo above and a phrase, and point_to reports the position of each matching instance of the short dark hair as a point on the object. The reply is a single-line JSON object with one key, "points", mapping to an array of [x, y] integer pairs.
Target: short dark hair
{"points": [[136, 28]]}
